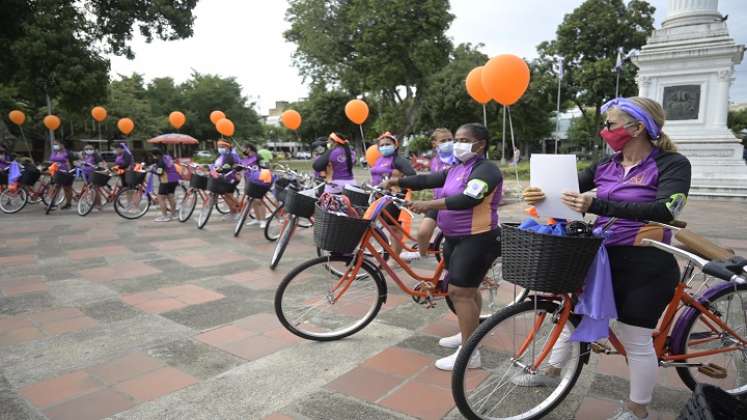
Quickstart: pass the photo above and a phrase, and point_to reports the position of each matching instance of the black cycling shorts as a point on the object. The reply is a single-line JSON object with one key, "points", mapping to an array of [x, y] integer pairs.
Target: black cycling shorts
{"points": [[3, 178], [468, 258], [432, 214], [643, 280], [167, 188]]}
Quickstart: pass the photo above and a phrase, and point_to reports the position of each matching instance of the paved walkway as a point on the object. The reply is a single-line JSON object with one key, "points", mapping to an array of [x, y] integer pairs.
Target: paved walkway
{"points": [[104, 317]]}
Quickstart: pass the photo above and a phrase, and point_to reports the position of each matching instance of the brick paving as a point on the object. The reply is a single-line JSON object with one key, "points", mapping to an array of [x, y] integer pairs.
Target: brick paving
{"points": [[102, 317]]}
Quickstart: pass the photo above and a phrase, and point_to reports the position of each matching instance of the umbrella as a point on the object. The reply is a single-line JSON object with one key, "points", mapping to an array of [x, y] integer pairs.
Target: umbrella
{"points": [[173, 138]]}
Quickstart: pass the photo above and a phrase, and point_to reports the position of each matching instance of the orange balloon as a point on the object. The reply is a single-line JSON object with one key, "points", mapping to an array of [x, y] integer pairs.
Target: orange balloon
{"points": [[225, 127], [291, 119], [505, 78], [17, 117], [372, 155], [126, 126], [216, 116], [356, 111], [474, 86], [177, 119], [52, 122], [98, 113]]}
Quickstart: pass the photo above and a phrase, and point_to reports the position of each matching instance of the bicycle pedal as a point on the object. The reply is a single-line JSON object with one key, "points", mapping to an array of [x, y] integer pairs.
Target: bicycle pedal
{"points": [[713, 370]]}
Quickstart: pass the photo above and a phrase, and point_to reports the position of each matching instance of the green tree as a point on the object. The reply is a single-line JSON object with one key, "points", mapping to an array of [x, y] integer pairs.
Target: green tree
{"points": [[737, 121], [205, 93], [128, 97], [383, 48], [322, 113], [164, 97], [588, 39]]}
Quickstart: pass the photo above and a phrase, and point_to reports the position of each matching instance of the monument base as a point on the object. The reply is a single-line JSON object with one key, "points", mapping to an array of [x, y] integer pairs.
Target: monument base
{"points": [[718, 169]]}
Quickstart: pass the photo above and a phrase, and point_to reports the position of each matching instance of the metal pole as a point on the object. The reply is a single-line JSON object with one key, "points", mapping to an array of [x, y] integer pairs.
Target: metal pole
{"points": [[617, 84], [557, 117], [503, 138], [484, 116]]}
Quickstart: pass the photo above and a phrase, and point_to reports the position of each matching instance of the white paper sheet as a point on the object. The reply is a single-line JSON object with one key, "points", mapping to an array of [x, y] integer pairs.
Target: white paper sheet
{"points": [[554, 174]]}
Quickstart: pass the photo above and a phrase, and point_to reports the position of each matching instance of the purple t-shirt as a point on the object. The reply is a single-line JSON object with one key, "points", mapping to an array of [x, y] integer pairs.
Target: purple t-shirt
{"points": [[169, 173], [480, 218], [437, 165], [61, 158]]}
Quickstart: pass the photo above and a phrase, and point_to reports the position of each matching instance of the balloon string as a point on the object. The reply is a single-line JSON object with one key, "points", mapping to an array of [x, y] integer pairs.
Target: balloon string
{"points": [[503, 138], [26, 142], [363, 140], [484, 116], [513, 145]]}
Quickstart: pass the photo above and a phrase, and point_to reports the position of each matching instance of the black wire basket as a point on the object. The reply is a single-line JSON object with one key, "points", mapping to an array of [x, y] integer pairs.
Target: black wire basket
{"points": [[30, 175], [253, 190], [546, 263], [198, 182], [220, 186], [298, 204], [337, 233], [134, 178], [64, 178], [710, 402], [99, 179], [358, 198], [281, 186]]}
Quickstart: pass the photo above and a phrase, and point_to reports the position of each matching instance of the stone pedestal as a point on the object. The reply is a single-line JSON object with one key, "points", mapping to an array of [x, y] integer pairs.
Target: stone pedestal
{"points": [[688, 66]]}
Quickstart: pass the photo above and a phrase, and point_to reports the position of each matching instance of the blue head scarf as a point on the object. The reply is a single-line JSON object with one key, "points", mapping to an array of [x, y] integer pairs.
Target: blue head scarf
{"points": [[629, 107]]}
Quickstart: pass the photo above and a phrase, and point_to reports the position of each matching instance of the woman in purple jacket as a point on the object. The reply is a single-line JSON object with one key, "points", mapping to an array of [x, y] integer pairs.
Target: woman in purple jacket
{"points": [[168, 178], [61, 157], [645, 180], [468, 216], [337, 164]]}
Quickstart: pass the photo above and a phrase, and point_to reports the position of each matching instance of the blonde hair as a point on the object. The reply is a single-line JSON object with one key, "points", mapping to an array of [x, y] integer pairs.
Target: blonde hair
{"points": [[655, 110], [440, 131]]}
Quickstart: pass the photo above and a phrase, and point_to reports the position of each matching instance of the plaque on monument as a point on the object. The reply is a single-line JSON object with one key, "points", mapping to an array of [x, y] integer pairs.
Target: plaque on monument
{"points": [[682, 102]]}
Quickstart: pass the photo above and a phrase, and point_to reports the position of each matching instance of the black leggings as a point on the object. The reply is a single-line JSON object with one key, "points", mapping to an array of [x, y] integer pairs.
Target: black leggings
{"points": [[468, 258], [643, 280]]}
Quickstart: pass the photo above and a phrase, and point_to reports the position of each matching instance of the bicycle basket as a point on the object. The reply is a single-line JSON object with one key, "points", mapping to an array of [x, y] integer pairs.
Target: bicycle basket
{"points": [[30, 175], [220, 186], [198, 182], [281, 187], [710, 402], [546, 263], [100, 179], [64, 178], [337, 233], [253, 190], [358, 197], [134, 178], [299, 204]]}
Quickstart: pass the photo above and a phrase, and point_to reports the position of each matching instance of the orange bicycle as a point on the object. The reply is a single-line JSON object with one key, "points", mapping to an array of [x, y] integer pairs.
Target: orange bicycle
{"points": [[702, 333], [334, 296]]}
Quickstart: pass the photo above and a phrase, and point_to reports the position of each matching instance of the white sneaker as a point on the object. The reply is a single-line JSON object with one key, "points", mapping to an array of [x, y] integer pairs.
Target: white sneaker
{"points": [[252, 222], [409, 255], [535, 380], [624, 414], [263, 224], [447, 363], [452, 342], [162, 219]]}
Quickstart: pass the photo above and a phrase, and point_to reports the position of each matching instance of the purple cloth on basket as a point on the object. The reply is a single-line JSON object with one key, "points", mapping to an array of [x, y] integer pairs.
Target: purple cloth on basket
{"points": [[14, 172], [597, 300]]}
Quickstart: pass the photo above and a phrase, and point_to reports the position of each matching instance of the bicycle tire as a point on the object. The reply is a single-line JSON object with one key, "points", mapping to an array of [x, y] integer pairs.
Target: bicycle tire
{"points": [[242, 218], [679, 346], [51, 200], [205, 211], [458, 381], [36, 191], [275, 217], [187, 206], [86, 201], [221, 206], [374, 274], [125, 215], [5, 196], [283, 241]]}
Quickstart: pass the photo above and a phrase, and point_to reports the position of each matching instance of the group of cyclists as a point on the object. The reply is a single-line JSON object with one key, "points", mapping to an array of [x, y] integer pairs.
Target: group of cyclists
{"points": [[644, 180]]}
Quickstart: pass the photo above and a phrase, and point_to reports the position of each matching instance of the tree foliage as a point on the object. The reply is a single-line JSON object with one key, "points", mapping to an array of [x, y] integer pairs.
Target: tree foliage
{"points": [[737, 121]]}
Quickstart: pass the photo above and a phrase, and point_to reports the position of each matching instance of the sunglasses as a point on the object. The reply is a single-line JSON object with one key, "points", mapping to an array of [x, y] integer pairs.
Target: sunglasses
{"points": [[608, 124]]}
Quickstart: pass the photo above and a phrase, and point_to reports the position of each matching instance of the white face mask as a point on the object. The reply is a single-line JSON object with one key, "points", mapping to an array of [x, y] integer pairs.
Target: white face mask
{"points": [[89, 152], [222, 150], [463, 151], [56, 147]]}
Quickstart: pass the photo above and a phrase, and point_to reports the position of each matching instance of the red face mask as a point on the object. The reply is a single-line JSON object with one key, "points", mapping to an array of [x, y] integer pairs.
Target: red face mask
{"points": [[617, 138]]}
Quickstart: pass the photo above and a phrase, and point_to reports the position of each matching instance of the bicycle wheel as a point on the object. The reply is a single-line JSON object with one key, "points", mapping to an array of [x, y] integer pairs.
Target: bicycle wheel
{"points": [[307, 304], [379, 250], [13, 201], [86, 200], [132, 203], [205, 211], [222, 206], [495, 292], [492, 392], [36, 192], [275, 224], [282, 243], [179, 194], [187, 206], [700, 334], [438, 245], [242, 219], [51, 200]]}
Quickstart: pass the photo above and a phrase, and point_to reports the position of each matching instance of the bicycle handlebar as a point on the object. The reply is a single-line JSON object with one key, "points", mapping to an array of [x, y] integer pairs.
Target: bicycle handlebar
{"points": [[729, 270], [396, 197]]}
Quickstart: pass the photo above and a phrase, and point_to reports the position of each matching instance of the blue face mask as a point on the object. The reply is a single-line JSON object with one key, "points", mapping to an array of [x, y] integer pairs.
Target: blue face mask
{"points": [[387, 150], [222, 150], [446, 149]]}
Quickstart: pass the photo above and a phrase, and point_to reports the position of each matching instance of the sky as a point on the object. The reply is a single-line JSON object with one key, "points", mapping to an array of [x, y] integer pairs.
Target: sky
{"points": [[244, 38]]}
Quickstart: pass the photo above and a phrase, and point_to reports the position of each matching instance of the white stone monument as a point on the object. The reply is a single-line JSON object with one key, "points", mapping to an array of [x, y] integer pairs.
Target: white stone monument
{"points": [[688, 67]]}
